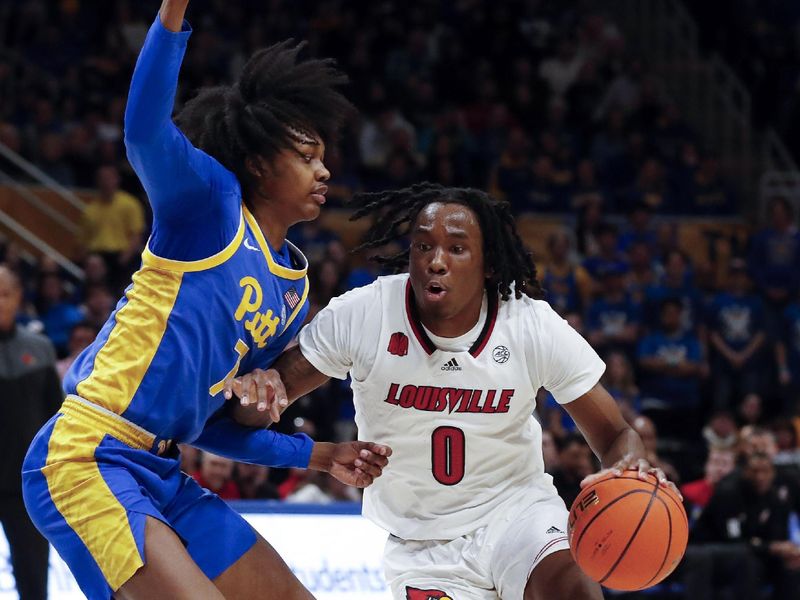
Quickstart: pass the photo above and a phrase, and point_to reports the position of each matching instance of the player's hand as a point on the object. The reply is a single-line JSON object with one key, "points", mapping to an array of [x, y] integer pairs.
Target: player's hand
{"points": [[264, 388], [353, 463], [630, 462]]}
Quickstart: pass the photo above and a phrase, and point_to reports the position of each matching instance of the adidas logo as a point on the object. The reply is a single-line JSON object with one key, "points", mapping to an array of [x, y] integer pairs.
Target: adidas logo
{"points": [[451, 365], [554, 529]]}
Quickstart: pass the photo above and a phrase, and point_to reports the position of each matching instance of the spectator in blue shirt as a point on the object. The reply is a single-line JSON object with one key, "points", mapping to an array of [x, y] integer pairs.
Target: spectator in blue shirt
{"points": [[676, 285], [608, 255], [612, 320], [736, 328], [58, 316], [775, 259], [640, 228], [671, 361], [787, 354]]}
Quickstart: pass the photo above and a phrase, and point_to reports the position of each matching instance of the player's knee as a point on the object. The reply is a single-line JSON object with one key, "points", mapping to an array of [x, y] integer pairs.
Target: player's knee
{"points": [[557, 577]]}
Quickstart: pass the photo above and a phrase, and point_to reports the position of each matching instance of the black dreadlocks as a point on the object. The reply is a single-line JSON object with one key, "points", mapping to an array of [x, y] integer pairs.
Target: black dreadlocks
{"points": [[503, 250], [277, 100]]}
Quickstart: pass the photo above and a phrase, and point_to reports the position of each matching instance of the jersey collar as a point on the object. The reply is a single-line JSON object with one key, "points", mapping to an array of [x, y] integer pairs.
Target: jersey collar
{"points": [[425, 341]]}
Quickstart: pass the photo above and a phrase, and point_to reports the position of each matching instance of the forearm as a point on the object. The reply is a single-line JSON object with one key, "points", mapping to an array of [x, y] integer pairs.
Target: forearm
{"points": [[299, 378], [754, 345], [626, 444], [155, 79], [258, 446], [172, 13]]}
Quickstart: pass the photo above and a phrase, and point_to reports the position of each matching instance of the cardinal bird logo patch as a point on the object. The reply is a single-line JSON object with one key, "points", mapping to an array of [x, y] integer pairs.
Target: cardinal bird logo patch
{"points": [[418, 594], [398, 344]]}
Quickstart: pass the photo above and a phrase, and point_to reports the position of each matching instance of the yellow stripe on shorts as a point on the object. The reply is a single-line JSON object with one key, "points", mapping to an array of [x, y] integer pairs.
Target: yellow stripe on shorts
{"points": [[88, 505]]}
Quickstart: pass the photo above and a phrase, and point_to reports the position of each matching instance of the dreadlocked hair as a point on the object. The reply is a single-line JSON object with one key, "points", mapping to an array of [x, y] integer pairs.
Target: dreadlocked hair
{"points": [[277, 101], [503, 250]]}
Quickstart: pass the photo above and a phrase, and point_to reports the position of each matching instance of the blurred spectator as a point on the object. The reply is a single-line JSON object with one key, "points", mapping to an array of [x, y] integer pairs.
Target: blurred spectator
{"points": [[639, 229], [549, 451], [613, 320], [750, 410], [708, 194], [788, 452], [696, 494], [775, 259], [787, 356], [619, 381], [56, 313], [753, 508], [113, 226], [313, 239], [587, 190], [736, 328], [642, 273], [216, 474], [672, 365], [608, 257], [253, 482], [567, 285], [646, 429], [51, 158], [721, 432], [80, 337], [190, 458], [676, 285], [98, 304], [575, 461], [30, 393]]}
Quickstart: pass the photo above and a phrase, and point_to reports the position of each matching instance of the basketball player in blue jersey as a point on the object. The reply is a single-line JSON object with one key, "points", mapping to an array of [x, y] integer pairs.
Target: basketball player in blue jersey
{"points": [[219, 291]]}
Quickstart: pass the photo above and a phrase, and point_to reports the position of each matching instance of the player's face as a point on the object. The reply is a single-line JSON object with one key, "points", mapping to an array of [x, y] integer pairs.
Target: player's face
{"points": [[295, 183], [446, 267]]}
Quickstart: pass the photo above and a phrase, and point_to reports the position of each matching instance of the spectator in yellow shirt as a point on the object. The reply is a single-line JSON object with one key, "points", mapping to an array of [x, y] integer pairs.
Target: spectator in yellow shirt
{"points": [[113, 226]]}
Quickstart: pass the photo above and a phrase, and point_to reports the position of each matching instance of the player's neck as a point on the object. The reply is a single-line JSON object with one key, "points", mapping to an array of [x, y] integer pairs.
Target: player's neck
{"points": [[455, 325], [273, 229]]}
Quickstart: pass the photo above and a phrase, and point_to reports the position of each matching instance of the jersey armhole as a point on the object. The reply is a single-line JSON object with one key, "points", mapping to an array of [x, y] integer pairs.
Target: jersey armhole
{"points": [[192, 266]]}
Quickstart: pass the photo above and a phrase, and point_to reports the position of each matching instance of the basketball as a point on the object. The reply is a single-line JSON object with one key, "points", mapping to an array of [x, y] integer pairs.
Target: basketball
{"points": [[627, 533]]}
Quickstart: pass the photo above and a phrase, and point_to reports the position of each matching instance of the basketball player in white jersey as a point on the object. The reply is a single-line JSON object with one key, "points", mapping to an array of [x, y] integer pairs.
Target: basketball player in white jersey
{"points": [[445, 363]]}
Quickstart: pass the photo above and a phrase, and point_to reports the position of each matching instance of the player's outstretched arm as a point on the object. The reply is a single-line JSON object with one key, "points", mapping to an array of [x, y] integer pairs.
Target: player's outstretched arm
{"points": [[179, 179], [353, 463], [614, 442], [265, 394]]}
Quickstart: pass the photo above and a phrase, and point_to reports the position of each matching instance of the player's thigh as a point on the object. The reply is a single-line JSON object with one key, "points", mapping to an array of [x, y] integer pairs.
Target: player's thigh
{"points": [[446, 569], [261, 573], [522, 537], [557, 577], [168, 572]]}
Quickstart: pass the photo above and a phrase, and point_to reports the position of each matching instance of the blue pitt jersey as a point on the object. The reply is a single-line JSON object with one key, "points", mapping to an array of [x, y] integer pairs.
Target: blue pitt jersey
{"points": [[182, 327]]}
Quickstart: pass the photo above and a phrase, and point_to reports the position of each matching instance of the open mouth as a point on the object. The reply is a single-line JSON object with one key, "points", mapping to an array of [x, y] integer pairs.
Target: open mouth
{"points": [[435, 290]]}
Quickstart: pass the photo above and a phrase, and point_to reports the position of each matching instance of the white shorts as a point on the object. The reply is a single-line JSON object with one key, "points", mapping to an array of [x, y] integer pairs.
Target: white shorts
{"points": [[492, 562]]}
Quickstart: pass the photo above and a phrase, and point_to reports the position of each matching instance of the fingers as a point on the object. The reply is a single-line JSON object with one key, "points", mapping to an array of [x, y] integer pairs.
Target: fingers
{"points": [[280, 399], [602, 474], [378, 449], [241, 387]]}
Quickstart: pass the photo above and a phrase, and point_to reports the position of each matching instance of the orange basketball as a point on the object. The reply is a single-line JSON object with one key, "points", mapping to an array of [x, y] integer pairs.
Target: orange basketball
{"points": [[627, 533]]}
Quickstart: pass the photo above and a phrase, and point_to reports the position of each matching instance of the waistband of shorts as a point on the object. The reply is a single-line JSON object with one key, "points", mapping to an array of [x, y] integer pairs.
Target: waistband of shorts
{"points": [[115, 425]]}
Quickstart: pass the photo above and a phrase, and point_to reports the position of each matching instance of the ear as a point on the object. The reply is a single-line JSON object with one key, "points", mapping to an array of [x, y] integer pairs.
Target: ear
{"points": [[257, 166]]}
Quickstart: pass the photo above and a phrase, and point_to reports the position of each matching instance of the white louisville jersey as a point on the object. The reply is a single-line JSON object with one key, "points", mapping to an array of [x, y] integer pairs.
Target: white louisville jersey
{"points": [[465, 443]]}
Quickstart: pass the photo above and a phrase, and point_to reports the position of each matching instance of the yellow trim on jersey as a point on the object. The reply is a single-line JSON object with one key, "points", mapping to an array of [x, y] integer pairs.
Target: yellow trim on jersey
{"points": [[120, 365], [298, 307], [83, 498], [274, 267], [192, 266]]}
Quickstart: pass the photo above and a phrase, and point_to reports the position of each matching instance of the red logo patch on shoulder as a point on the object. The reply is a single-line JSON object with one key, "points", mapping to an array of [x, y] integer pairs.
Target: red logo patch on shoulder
{"points": [[398, 344], [28, 359], [418, 594]]}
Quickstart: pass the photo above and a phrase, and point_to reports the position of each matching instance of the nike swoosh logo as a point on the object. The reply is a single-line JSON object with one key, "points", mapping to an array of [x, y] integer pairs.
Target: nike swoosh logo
{"points": [[249, 247]]}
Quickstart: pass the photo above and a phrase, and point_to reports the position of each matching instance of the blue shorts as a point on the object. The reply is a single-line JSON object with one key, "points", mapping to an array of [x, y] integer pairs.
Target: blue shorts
{"points": [[90, 479]]}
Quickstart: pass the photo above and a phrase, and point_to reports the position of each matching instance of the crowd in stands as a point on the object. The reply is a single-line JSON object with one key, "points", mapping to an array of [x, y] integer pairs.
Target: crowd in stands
{"points": [[762, 42], [552, 115]]}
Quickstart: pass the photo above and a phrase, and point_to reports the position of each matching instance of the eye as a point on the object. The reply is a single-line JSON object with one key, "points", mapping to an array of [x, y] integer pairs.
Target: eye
{"points": [[423, 247], [457, 249], [308, 157]]}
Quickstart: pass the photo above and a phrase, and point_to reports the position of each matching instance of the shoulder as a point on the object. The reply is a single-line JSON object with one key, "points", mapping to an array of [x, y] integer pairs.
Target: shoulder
{"points": [[538, 314]]}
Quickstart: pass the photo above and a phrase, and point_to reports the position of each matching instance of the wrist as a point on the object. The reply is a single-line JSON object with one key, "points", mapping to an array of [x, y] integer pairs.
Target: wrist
{"points": [[321, 456]]}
